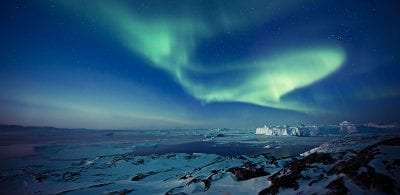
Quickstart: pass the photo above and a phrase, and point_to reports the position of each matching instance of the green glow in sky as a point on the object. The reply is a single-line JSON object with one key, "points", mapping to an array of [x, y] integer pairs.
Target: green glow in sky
{"points": [[168, 41], [273, 77]]}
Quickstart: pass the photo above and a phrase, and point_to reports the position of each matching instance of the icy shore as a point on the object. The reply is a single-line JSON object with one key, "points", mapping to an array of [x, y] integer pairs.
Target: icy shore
{"points": [[355, 164]]}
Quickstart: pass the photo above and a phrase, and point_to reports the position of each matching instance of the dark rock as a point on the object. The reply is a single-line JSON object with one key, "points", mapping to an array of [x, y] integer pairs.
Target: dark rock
{"points": [[393, 165], [215, 171], [320, 177], [206, 182], [241, 158], [139, 162], [288, 176], [220, 135], [171, 155], [195, 180], [70, 176], [171, 191], [40, 177], [274, 161], [247, 172], [185, 177], [376, 181], [121, 192], [369, 179], [141, 176], [337, 187], [190, 156], [390, 142], [201, 167], [92, 186]]}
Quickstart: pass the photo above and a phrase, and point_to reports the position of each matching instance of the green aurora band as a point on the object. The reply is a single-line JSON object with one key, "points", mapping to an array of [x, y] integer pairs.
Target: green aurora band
{"points": [[168, 41]]}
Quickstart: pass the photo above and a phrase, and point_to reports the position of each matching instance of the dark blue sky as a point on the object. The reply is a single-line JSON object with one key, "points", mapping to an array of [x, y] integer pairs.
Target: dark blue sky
{"points": [[189, 64]]}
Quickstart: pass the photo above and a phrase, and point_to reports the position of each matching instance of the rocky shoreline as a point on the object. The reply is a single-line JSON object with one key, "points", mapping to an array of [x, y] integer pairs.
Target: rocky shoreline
{"points": [[359, 164]]}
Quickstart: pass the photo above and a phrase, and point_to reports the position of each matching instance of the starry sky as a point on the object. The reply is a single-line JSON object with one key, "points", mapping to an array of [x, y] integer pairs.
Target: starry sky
{"points": [[155, 64]]}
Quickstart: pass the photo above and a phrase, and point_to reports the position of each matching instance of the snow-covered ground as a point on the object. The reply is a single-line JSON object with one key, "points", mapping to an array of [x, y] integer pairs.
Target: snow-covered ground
{"points": [[215, 161]]}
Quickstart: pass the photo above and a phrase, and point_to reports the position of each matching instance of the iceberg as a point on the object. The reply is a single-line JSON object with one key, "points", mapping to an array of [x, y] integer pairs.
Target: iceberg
{"points": [[348, 127], [277, 131]]}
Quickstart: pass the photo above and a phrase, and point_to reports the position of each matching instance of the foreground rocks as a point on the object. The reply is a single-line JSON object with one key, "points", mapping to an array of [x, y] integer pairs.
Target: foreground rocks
{"points": [[374, 169], [371, 168], [248, 171], [289, 176]]}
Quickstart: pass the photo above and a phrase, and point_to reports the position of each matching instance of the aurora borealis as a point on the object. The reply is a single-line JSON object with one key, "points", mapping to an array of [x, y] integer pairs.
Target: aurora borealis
{"points": [[189, 64]]}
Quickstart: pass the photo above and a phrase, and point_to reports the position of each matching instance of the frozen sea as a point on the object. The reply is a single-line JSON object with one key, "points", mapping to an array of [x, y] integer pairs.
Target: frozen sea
{"points": [[73, 144], [44, 160]]}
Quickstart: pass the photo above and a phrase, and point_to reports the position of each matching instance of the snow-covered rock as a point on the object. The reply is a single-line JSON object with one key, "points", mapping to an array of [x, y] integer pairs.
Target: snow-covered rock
{"points": [[372, 168], [353, 163]]}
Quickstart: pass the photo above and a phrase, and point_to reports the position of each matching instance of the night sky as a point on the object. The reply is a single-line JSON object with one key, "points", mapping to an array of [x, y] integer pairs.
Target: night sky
{"points": [[198, 64]]}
